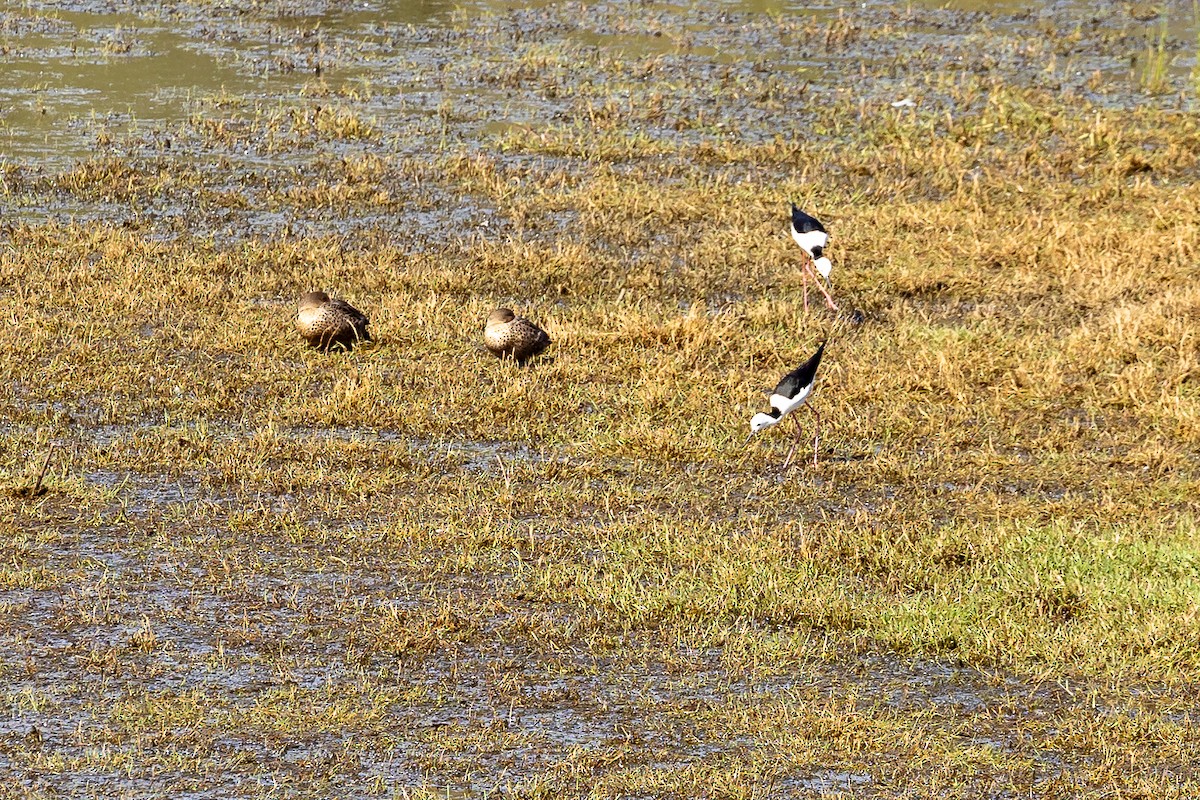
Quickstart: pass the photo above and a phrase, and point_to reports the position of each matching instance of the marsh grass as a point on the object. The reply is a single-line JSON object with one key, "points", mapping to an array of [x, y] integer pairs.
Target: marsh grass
{"points": [[1153, 77], [415, 570]]}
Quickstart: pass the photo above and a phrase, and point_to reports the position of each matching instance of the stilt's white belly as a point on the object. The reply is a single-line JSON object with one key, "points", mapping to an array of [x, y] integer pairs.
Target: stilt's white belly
{"points": [[810, 240], [787, 405]]}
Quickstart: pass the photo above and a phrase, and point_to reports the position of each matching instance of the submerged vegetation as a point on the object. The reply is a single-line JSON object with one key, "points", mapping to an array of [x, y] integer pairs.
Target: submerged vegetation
{"points": [[415, 570]]}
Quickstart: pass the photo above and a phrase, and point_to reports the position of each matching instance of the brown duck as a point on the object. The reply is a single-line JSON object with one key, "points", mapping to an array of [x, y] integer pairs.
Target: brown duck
{"points": [[326, 322], [508, 335]]}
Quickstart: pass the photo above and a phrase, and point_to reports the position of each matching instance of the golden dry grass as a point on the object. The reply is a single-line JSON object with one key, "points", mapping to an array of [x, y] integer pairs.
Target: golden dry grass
{"points": [[415, 570]]}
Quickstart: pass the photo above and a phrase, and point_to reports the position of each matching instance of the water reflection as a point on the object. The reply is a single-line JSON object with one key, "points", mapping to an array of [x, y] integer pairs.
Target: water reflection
{"points": [[71, 71]]}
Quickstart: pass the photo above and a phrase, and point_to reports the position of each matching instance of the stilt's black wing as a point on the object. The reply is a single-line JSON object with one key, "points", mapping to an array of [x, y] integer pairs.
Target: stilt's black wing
{"points": [[801, 376], [803, 223]]}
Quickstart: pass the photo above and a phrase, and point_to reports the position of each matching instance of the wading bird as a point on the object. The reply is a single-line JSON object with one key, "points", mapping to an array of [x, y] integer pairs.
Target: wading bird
{"points": [[508, 335], [791, 393], [810, 234], [326, 322]]}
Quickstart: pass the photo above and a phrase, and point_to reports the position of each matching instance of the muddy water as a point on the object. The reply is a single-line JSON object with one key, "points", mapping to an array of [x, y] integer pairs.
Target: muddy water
{"points": [[76, 76], [69, 75], [227, 109]]}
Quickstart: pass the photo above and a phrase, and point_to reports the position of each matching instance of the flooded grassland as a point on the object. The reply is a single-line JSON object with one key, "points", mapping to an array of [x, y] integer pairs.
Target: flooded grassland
{"points": [[255, 570]]}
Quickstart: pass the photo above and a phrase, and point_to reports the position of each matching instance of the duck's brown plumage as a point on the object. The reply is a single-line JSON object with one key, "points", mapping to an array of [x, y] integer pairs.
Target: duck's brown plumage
{"points": [[506, 334], [327, 322]]}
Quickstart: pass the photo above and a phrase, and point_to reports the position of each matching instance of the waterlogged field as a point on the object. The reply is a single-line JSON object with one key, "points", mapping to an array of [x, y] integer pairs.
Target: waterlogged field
{"points": [[253, 570]]}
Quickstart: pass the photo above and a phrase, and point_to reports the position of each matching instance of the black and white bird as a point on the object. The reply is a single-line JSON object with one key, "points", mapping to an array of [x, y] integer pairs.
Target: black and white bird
{"points": [[790, 394], [810, 234]]}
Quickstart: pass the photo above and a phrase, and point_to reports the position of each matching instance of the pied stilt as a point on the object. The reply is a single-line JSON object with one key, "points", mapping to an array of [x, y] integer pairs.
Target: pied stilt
{"points": [[810, 234], [791, 393]]}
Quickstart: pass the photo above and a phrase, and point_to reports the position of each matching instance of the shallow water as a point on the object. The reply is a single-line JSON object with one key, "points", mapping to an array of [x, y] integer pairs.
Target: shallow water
{"points": [[81, 80], [232, 105]]}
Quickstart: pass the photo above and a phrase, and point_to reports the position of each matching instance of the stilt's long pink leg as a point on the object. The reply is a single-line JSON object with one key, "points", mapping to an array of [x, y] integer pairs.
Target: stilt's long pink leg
{"points": [[821, 285], [795, 443], [817, 437], [810, 268]]}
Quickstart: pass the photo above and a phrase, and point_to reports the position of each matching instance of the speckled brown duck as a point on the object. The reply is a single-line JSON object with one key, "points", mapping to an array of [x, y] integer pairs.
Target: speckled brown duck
{"points": [[327, 322], [510, 336]]}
